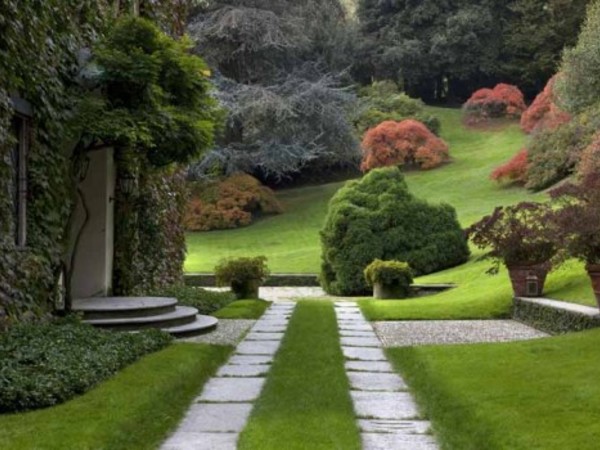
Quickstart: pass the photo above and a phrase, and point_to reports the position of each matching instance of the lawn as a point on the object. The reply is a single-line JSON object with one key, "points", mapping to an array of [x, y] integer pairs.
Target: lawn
{"points": [[305, 403], [541, 394], [135, 409], [243, 309]]}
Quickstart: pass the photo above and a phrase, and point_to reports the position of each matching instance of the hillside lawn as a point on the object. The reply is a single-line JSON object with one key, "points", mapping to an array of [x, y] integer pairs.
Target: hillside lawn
{"points": [[291, 240]]}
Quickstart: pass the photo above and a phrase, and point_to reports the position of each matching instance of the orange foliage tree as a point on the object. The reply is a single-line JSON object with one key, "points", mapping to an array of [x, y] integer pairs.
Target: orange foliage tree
{"points": [[515, 170], [406, 143], [228, 203], [544, 112], [590, 158], [504, 100]]}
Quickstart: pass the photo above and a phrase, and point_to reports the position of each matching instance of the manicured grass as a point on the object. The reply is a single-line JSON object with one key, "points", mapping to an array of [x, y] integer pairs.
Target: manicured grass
{"points": [[541, 394], [243, 309], [133, 410], [305, 403]]}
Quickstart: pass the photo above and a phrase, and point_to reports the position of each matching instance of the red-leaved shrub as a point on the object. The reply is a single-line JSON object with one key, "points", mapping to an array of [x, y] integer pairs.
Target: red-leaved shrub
{"points": [[515, 170], [406, 143], [544, 113], [590, 158], [503, 101], [228, 203]]}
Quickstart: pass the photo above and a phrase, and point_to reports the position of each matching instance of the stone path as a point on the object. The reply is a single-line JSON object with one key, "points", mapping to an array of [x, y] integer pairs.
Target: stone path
{"points": [[228, 332], [436, 332], [219, 414], [387, 416]]}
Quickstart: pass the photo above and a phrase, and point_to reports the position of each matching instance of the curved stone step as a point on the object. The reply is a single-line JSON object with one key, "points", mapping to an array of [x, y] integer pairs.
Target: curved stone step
{"points": [[98, 308], [182, 315], [202, 324]]}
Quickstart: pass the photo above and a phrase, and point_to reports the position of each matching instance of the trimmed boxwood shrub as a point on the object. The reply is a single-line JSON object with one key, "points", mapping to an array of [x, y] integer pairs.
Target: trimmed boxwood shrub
{"points": [[378, 218], [397, 274], [46, 364]]}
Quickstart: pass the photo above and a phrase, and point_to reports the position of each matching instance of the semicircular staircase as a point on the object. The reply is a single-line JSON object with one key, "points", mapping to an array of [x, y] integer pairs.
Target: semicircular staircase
{"points": [[139, 313]]}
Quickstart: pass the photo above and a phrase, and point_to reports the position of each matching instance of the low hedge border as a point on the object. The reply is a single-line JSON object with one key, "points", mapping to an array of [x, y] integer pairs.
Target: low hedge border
{"points": [[552, 318], [43, 365]]}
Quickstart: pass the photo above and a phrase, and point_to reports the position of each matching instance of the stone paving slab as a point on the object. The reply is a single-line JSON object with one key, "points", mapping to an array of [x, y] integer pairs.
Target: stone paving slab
{"points": [[216, 417], [384, 405], [250, 370], [258, 348], [351, 333], [266, 328], [250, 359], [231, 390], [201, 441], [376, 381], [428, 332], [369, 366], [394, 426], [264, 336], [355, 327], [382, 441], [364, 354], [360, 341]]}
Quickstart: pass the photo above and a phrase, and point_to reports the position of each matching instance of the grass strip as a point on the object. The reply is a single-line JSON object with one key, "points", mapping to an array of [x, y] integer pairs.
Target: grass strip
{"points": [[305, 403], [541, 394], [133, 410], [243, 309]]}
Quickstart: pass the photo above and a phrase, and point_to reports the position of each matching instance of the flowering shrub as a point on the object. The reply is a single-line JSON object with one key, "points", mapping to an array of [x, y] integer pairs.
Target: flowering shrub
{"points": [[544, 113], [228, 203], [590, 158], [504, 100], [406, 143], [515, 170]]}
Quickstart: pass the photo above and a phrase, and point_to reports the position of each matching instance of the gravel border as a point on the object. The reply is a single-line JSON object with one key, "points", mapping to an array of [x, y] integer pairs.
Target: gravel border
{"points": [[228, 332], [433, 332]]}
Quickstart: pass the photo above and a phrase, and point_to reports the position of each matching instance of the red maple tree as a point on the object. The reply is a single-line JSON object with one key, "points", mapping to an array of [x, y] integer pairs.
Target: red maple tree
{"points": [[544, 113]]}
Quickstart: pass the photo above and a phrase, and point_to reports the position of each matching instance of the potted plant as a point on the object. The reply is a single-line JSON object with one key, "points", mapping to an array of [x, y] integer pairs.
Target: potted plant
{"points": [[523, 238], [243, 275], [578, 219], [390, 279]]}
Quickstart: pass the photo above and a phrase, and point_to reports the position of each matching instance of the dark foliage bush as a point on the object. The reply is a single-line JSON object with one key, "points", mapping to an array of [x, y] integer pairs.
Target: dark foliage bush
{"points": [[46, 364], [378, 218], [205, 301]]}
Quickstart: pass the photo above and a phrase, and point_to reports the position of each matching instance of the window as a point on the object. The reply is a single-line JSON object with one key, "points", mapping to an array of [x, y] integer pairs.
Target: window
{"points": [[21, 127]]}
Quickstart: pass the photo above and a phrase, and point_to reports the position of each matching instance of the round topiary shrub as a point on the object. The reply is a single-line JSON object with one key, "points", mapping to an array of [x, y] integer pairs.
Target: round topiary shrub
{"points": [[407, 143], [377, 217], [505, 100]]}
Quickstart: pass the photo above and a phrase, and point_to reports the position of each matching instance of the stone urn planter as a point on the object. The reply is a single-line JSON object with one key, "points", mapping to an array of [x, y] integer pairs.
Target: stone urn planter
{"points": [[247, 289], [593, 271], [528, 279], [390, 279]]}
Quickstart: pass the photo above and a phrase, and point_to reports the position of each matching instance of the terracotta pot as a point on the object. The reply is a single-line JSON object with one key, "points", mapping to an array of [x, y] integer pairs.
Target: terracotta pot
{"points": [[246, 290], [386, 292], [593, 271], [524, 278]]}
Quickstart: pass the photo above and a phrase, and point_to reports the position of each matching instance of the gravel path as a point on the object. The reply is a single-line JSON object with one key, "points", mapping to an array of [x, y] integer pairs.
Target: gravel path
{"points": [[407, 333], [228, 332]]}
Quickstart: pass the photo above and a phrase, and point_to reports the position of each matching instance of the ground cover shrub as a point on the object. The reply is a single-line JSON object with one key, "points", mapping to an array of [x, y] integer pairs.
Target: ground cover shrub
{"points": [[514, 170], [45, 364], [503, 101], [377, 217], [544, 113], [228, 203], [205, 301], [383, 101], [408, 143]]}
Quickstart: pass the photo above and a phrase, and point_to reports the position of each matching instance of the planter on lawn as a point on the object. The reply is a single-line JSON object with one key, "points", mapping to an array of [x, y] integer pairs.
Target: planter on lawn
{"points": [[528, 279], [247, 289], [593, 271]]}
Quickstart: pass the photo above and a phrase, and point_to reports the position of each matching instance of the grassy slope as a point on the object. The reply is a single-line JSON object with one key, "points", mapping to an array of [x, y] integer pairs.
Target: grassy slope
{"points": [[305, 403], [291, 241], [541, 394], [133, 410]]}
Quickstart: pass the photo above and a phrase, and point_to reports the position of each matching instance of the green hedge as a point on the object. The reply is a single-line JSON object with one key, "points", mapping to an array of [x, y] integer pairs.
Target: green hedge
{"points": [[552, 320], [45, 364], [205, 301], [378, 218]]}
